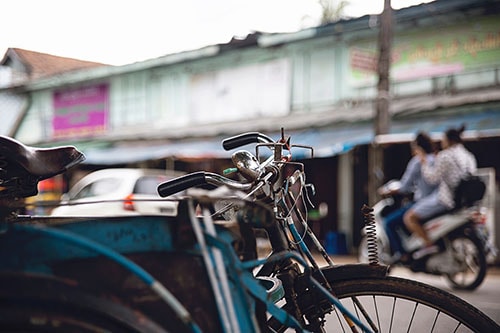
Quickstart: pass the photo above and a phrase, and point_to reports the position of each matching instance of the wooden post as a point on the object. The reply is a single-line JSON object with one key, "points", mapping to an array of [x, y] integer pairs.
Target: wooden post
{"points": [[382, 103]]}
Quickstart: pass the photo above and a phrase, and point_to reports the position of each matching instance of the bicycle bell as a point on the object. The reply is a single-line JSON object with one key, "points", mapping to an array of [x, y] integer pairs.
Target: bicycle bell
{"points": [[247, 164]]}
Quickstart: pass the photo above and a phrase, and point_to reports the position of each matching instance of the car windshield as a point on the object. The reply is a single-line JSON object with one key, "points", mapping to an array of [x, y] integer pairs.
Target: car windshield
{"points": [[148, 184], [98, 188]]}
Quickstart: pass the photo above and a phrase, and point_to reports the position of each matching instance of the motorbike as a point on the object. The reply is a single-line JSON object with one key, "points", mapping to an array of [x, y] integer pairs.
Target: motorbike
{"points": [[461, 235]]}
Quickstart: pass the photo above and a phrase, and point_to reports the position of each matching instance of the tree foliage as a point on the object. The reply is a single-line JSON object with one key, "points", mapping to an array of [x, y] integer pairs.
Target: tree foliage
{"points": [[332, 10]]}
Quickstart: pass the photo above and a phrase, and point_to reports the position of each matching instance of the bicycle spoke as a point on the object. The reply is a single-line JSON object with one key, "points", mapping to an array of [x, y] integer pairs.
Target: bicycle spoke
{"points": [[412, 317], [376, 310], [339, 319], [364, 312], [392, 313], [435, 320]]}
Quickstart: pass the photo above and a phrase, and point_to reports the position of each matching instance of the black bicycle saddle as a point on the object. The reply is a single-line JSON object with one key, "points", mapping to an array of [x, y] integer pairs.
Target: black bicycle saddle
{"points": [[22, 167]]}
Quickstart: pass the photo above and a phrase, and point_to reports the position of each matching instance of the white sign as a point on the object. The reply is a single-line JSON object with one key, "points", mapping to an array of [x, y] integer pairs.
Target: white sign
{"points": [[250, 91]]}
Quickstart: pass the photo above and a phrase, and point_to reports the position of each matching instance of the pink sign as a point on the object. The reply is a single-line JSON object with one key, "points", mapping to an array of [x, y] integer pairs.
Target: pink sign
{"points": [[80, 112]]}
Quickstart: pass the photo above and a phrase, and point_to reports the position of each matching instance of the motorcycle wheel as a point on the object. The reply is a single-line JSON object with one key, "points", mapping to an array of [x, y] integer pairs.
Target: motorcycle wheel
{"points": [[394, 304], [467, 249]]}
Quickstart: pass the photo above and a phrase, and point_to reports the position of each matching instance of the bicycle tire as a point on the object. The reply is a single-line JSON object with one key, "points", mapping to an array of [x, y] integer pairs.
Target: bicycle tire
{"points": [[50, 317], [400, 305], [42, 304]]}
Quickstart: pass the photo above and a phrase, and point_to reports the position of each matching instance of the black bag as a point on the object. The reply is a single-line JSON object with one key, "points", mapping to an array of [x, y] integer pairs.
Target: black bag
{"points": [[470, 190]]}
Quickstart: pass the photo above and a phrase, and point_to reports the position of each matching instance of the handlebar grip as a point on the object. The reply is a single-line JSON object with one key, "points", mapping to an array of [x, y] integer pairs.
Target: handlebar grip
{"points": [[240, 140], [245, 139], [181, 183]]}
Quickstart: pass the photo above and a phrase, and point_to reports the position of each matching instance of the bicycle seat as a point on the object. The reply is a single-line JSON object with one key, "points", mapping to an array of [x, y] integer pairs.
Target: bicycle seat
{"points": [[22, 167]]}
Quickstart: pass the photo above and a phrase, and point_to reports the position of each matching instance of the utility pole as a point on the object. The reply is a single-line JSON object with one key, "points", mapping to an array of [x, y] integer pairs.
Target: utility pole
{"points": [[382, 103], [382, 121]]}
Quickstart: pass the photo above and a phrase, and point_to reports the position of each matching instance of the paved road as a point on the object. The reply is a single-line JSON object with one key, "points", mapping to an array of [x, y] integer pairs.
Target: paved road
{"points": [[486, 297]]}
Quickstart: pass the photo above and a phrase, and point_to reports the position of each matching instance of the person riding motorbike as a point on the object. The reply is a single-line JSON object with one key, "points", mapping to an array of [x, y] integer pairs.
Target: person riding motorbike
{"points": [[450, 165], [411, 182]]}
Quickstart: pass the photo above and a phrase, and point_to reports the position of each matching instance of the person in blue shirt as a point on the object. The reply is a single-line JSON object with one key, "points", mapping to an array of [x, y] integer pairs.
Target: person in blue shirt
{"points": [[412, 182]]}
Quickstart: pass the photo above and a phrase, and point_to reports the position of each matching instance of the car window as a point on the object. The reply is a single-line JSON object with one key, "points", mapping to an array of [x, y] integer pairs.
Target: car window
{"points": [[97, 188], [148, 184]]}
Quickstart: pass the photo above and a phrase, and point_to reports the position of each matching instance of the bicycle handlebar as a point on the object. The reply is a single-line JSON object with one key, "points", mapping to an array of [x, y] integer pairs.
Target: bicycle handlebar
{"points": [[185, 182], [181, 183], [199, 178], [244, 139]]}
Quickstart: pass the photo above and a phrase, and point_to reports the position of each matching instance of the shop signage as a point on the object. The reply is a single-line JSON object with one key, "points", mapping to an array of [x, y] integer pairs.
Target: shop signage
{"points": [[426, 53], [80, 112]]}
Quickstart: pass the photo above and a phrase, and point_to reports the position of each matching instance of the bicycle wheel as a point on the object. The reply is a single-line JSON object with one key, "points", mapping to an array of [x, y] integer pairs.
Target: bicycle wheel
{"points": [[400, 305], [38, 304], [48, 317]]}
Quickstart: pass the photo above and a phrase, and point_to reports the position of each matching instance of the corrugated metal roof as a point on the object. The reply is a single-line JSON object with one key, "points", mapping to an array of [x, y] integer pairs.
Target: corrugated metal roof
{"points": [[259, 39], [39, 65]]}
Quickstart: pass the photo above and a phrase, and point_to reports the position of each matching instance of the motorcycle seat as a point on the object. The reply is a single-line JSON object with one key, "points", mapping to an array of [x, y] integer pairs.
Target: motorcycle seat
{"points": [[449, 211], [21, 166]]}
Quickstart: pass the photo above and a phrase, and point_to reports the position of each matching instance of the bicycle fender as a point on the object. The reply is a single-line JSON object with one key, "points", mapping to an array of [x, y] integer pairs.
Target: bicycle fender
{"points": [[354, 271]]}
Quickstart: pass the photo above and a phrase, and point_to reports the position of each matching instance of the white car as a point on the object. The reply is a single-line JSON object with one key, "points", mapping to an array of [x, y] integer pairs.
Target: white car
{"points": [[112, 192]]}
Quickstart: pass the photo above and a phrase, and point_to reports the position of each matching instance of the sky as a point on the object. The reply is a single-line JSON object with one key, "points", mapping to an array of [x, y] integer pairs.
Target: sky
{"points": [[119, 32]]}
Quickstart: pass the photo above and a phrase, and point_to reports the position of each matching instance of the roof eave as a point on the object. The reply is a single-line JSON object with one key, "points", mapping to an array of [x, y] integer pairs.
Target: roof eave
{"points": [[107, 71]]}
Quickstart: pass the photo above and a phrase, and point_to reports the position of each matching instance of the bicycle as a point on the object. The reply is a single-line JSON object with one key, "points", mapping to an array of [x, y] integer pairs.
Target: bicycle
{"points": [[271, 183], [188, 273]]}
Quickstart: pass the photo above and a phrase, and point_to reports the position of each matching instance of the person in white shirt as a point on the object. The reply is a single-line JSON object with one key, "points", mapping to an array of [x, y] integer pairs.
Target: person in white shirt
{"points": [[451, 164]]}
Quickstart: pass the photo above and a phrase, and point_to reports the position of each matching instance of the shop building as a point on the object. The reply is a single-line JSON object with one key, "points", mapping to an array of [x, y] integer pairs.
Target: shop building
{"points": [[319, 84]]}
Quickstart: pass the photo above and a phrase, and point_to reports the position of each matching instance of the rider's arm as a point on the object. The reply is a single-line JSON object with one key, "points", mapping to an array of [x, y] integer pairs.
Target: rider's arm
{"points": [[409, 178], [471, 163], [433, 172]]}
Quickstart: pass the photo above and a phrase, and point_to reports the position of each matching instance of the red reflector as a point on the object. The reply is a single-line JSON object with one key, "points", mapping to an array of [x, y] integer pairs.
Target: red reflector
{"points": [[479, 218], [128, 202]]}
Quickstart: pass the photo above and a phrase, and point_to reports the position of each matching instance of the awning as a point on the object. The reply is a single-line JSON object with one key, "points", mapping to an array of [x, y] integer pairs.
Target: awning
{"points": [[483, 123], [140, 152], [331, 141], [326, 141]]}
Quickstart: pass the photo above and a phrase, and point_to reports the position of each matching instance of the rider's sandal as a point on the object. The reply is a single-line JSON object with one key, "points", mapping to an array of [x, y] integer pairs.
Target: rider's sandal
{"points": [[405, 259]]}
